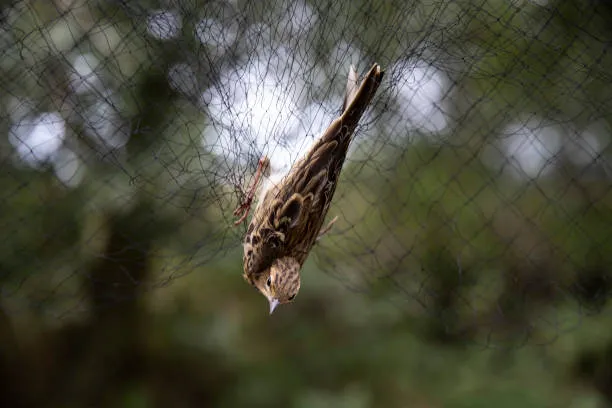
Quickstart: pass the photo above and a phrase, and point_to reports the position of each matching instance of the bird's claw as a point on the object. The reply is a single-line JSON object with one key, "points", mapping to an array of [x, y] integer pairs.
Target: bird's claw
{"points": [[245, 206], [327, 228], [242, 211]]}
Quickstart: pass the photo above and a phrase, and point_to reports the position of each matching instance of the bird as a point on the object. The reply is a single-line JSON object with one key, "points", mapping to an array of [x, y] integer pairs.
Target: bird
{"points": [[289, 215]]}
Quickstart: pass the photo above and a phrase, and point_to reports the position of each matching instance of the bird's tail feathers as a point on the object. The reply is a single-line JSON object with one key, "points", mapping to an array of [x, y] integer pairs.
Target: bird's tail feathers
{"points": [[352, 86], [358, 98]]}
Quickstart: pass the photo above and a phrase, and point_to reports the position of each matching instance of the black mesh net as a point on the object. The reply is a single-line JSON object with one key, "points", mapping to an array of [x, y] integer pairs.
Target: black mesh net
{"points": [[475, 199]]}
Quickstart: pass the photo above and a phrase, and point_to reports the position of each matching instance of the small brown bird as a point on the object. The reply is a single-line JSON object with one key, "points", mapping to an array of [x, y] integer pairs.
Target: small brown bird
{"points": [[289, 215]]}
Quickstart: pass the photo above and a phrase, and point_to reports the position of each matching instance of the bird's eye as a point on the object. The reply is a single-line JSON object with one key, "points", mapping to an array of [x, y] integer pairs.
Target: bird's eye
{"points": [[269, 281], [291, 297]]}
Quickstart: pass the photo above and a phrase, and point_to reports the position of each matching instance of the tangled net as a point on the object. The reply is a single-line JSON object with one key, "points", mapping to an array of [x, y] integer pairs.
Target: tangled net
{"points": [[476, 193]]}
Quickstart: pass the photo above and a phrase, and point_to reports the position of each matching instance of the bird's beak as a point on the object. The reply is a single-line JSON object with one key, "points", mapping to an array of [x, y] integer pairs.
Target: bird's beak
{"points": [[273, 304]]}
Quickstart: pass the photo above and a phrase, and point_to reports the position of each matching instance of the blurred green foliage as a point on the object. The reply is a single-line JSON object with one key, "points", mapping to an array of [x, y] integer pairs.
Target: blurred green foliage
{"points": [[447, 281]]}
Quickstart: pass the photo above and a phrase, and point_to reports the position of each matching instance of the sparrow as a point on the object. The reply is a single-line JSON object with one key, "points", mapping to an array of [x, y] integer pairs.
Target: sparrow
{"points": [[289, 215]]}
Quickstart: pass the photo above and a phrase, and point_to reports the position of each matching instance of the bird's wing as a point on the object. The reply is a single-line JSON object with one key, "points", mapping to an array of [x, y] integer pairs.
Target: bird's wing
{"points": [[289, 218]]}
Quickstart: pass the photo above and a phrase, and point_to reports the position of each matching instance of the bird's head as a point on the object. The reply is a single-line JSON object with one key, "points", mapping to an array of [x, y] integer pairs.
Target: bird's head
{"points": [[281, 282]]}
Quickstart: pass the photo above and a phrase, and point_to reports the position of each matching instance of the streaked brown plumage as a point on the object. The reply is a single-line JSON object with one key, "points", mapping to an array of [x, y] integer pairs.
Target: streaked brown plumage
{"points": [[288, 218], [280, 283]]}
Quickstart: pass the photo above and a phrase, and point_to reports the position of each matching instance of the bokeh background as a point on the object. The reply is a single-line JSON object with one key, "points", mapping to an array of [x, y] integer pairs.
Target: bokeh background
{"points": [[470, 264]]}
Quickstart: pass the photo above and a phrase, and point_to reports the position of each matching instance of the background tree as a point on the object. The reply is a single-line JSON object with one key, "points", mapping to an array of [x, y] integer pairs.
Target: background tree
{"points": [[469, 265]]}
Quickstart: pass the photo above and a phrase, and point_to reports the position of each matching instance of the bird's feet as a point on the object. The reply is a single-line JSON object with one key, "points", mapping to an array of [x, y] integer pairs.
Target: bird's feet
{"points": [[244, 207], [327, 228]]}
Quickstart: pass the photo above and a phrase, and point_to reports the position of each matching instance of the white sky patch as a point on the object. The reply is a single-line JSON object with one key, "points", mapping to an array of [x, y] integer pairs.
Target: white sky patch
{"points": [[420, 90], [104, 125], [254, 36], [531, 147], [344, 54], [164, 24], [83, 77], [298, 18], [68, 167], [586, 147], [257, 109], [37, 140], [216, 34]]}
